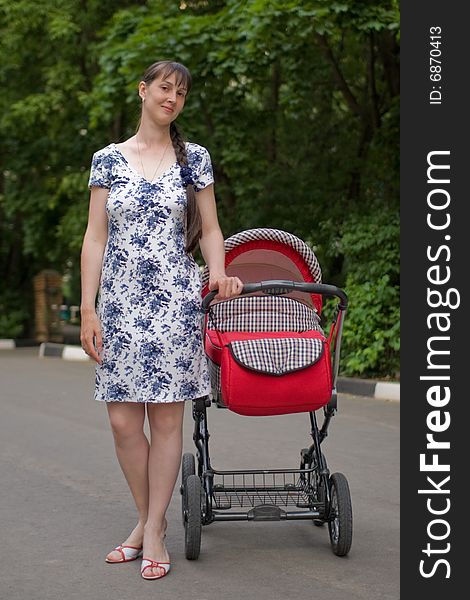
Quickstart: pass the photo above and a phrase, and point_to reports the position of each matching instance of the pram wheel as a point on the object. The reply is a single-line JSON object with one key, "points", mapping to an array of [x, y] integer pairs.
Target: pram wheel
{"points": [[187, 468], [340, 526], [192, 516]]}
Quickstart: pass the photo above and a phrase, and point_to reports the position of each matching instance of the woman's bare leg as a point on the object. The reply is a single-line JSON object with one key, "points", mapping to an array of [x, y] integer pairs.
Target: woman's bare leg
{"points": [[132, 449], [166, 427]]}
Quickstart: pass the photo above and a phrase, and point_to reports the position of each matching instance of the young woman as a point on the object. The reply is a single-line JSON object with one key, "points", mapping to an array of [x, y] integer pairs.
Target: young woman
{"points": [[152, 201]]}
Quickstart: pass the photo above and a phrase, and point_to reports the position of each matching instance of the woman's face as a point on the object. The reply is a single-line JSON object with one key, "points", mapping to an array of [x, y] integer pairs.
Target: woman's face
{"points": [[163, 98]]}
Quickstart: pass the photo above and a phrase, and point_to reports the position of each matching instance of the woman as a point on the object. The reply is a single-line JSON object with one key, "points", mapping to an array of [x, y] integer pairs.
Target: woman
{"points": [[151, 202]]}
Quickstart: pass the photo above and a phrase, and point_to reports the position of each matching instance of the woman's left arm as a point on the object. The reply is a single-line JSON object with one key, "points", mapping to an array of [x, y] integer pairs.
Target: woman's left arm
{"points": [[212, 246]]}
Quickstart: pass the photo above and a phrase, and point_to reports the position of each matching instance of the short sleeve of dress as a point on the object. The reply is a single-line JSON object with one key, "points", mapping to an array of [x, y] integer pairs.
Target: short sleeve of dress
{"points": [[100, 172], [203, 168]]}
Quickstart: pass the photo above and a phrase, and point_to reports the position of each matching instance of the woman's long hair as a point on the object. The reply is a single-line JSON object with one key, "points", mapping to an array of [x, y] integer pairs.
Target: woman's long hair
{"points": [[163, 69]]}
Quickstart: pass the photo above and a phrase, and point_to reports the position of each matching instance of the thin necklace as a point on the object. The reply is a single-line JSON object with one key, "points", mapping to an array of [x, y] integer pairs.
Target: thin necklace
{"points": [[158, 166]]}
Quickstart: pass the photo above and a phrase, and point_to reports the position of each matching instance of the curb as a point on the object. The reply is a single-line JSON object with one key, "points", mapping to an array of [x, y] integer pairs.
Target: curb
{"points": [[9, 344], [380, 390], [64, 351]]}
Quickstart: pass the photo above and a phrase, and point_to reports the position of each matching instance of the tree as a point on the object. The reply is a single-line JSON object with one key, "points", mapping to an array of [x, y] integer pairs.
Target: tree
{"points": [[50, 61]]}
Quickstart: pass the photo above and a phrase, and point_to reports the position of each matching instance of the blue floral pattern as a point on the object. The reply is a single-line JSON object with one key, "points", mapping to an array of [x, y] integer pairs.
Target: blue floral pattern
{"points": [[149, 299]]}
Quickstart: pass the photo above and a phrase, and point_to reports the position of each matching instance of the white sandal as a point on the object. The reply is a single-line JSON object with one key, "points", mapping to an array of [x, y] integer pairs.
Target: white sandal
{"points": [[128, 553], [154, 563]]}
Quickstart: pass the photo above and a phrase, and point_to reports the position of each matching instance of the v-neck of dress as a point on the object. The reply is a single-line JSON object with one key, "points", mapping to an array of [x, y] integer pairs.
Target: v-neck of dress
{"points": [[131, 168]]}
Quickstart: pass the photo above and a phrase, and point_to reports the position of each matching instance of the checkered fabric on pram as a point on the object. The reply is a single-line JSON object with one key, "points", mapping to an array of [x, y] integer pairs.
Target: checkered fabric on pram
{"points": [[277, 356], [263, 313]]}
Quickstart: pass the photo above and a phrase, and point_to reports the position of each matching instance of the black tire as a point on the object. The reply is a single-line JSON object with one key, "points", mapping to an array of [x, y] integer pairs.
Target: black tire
{"points": [[187, 468], [192, 517], [341, 526]]}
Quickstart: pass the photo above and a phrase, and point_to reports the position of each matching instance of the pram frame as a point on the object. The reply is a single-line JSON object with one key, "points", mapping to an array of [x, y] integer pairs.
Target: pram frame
{"points": [[312, 475]]}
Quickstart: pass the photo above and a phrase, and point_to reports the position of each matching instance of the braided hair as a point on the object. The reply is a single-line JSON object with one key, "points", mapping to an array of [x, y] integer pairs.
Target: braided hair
{"points": [[193, 216], [163, 69]]}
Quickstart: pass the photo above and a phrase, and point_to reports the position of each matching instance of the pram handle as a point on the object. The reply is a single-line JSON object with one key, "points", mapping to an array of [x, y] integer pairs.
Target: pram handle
{"points": [[278, 286]]}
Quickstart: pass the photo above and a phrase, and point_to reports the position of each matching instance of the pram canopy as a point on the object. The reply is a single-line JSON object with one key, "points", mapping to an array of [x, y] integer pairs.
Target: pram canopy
{"points": [[262, 253]]}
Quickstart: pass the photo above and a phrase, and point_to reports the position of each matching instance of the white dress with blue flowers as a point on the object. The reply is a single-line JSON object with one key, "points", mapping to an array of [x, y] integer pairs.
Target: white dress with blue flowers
{"points": [[149, 299]]}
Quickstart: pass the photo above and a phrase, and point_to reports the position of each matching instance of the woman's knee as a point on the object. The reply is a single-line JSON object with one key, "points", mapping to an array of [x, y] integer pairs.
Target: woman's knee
{"points": [[166, 419], [126, 421]]}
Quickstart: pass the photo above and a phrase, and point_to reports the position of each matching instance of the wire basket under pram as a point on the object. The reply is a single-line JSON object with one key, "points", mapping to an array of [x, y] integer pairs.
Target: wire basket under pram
{"points": [[268, 355]]}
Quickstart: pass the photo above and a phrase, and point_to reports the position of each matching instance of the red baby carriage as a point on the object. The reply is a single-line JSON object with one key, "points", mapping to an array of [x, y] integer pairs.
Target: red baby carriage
{"points": [[268, 355]]}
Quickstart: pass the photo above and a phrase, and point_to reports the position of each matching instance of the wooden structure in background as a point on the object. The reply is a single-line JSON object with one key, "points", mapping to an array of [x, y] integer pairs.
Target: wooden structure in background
{"points": [[47, 300]]}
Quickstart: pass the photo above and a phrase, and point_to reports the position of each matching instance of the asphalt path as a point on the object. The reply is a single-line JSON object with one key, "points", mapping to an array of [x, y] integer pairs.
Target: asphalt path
{"points": [[64, 503]]}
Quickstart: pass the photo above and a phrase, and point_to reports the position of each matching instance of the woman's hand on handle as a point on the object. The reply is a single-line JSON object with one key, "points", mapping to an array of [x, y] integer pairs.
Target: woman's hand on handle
{"points": [[227, 286], [90, 335]]}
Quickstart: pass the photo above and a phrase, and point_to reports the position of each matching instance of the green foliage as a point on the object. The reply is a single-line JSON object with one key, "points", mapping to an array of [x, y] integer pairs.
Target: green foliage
{"points": [[371, 341], [12, 316]]}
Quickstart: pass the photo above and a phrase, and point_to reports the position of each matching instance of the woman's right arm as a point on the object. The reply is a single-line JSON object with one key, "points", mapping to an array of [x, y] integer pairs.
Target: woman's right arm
{"points": [[94, 243]]}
